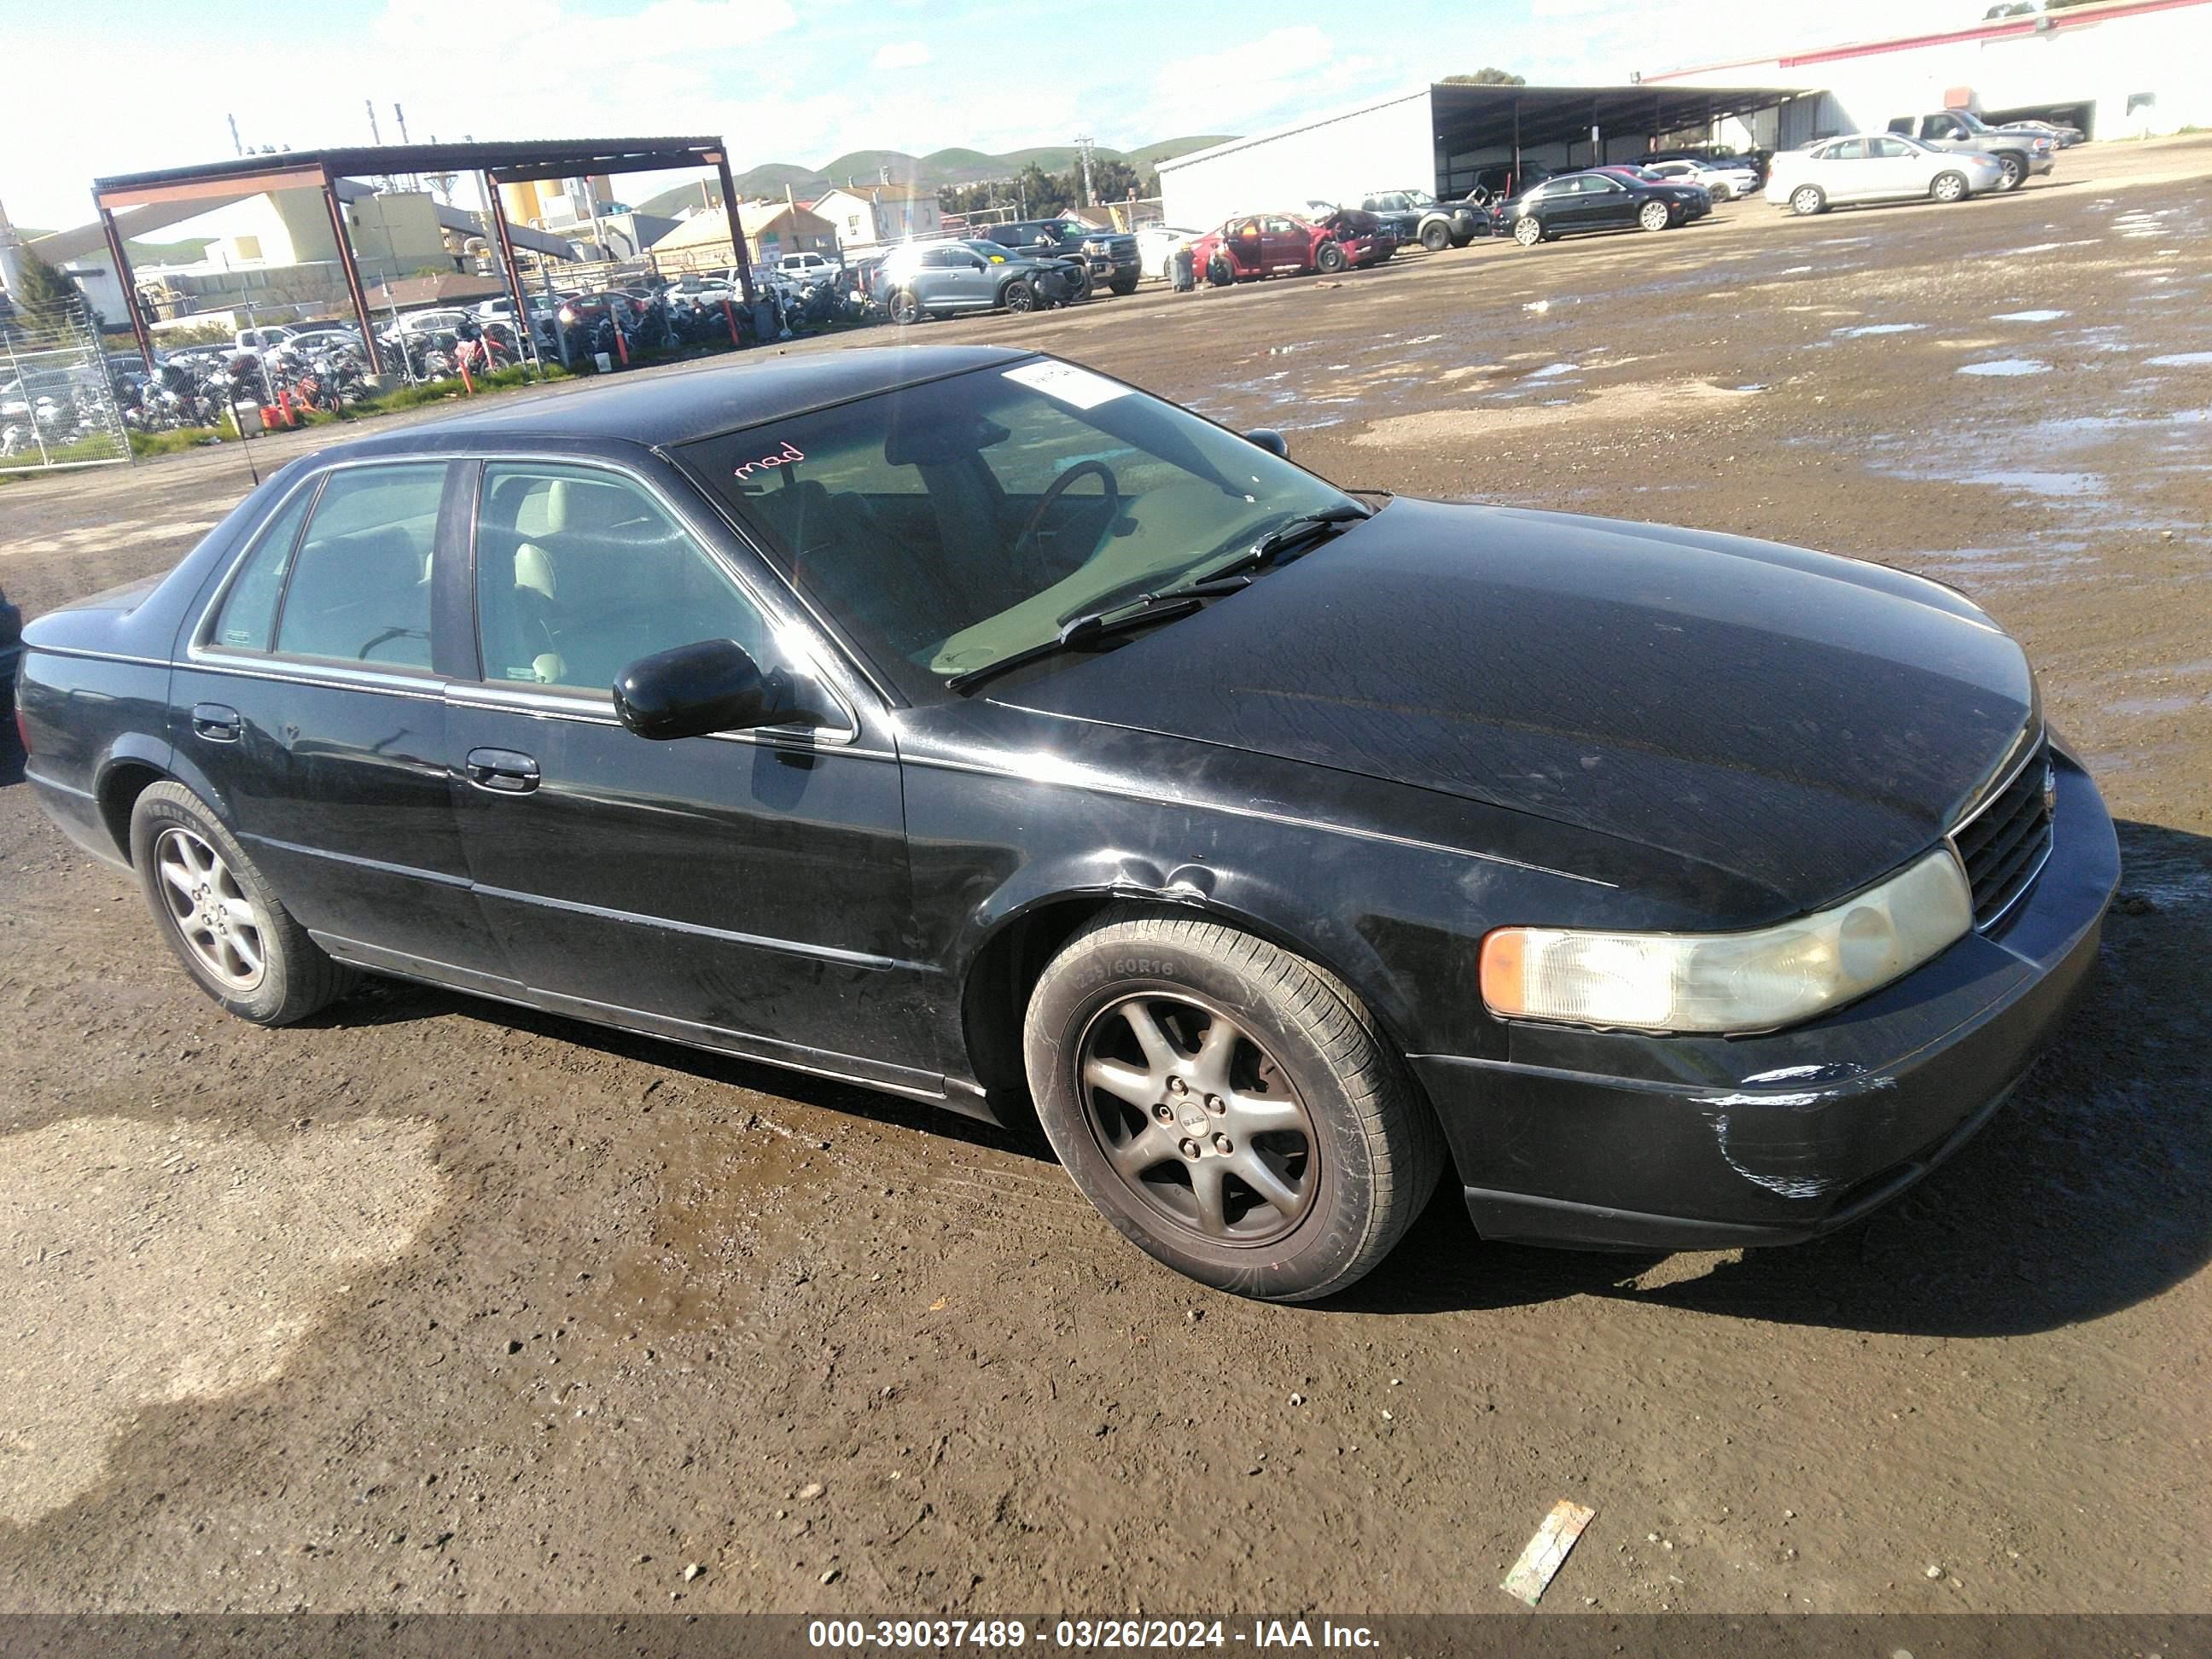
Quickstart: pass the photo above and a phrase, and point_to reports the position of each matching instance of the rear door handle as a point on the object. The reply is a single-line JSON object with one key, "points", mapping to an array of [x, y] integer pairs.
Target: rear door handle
{"points": [[502, 771], [216, 723]]}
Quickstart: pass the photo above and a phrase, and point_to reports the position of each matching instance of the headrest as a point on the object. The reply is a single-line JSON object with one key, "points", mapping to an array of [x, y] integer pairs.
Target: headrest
{"points": [[579, 507], [936, 443]]}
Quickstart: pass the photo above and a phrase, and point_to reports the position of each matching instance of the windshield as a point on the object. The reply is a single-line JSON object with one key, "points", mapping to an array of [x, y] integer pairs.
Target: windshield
{"points": [[948, 525]]}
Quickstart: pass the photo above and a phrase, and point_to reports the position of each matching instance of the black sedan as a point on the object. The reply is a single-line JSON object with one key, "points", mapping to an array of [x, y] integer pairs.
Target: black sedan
{"points": [[1599, 199], [973, 726]]}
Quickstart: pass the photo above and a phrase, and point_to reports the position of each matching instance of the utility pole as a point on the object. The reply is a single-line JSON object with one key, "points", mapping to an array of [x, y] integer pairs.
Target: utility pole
{"points": [[1083, 150], [11, 258], [237, 146]]}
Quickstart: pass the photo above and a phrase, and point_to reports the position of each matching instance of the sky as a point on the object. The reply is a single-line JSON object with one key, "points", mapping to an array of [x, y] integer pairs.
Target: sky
{"points": [[801, 82]]}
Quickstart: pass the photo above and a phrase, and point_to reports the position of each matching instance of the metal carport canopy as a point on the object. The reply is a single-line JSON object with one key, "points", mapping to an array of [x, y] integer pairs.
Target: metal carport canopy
{"points": [[504, 162], [1473, 118]]}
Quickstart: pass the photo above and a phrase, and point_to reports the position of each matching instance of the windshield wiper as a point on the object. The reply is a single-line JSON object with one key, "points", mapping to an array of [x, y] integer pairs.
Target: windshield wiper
{"points": [[1080, 629], [1287, 535]]}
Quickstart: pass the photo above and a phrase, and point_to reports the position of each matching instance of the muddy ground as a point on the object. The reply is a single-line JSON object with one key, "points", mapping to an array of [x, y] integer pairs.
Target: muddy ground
{"points": [[432, 1304]]}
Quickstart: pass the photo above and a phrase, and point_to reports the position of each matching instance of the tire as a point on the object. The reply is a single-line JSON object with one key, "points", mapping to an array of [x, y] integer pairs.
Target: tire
{"points": [[1082, 287], [1528, 231], [193, 872], [1436, 236], [906, 308], [1806, 200], [1655, 215], [1352, 1153], [1220, 272], [1949, 187], [1017, 296], [1124, 286], [2016, 171], [1330, 258]]}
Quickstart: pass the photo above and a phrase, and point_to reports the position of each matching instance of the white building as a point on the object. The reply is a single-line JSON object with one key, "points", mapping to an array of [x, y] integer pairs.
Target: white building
{"points": [[2117, 68], [1445, 138], [869, 215]]}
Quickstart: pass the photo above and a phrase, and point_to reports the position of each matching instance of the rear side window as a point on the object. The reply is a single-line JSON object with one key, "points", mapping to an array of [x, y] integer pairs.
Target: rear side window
{"points": [[249, 610], [360, 589]]}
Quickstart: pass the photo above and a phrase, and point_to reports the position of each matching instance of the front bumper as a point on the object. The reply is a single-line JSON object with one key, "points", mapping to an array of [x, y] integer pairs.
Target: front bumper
{"points": [[1616, 1141]]}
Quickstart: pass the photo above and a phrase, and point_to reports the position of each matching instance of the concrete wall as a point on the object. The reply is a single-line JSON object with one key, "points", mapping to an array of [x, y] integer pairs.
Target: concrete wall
{"points": [[1383, 146], [2107, 58]]}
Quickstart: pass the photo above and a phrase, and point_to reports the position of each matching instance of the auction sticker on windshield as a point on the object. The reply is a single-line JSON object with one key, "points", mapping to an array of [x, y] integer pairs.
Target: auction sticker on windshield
{"points": [[1079, 387]]}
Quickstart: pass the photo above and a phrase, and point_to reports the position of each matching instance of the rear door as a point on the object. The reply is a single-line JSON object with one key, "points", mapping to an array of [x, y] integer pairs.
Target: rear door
{"points": [[311, 697], [749, 890], [1289, 245]]}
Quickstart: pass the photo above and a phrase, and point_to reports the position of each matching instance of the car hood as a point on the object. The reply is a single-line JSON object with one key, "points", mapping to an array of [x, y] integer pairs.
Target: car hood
{"points": [[1805, 723]]}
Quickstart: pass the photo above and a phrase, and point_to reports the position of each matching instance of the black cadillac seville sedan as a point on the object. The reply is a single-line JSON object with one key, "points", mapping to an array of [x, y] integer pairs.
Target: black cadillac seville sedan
{"points": [[970, 724]]}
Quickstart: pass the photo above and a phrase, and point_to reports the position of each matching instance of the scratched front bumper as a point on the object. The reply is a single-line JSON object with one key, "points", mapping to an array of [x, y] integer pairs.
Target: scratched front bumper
{"points": [[1613, 1139]]}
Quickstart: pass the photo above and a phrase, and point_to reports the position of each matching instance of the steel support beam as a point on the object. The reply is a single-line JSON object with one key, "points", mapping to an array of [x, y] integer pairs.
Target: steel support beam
{"points": [[123, 279], [721, 161], [352, 275], [525, 338]]}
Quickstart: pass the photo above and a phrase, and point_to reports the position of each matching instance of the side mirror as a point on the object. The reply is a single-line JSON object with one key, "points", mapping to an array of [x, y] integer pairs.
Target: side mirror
{"points": [[1269, 440], [713, 685]]}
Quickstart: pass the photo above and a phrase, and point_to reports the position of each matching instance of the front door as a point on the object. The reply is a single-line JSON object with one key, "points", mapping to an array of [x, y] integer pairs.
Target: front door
{"points": [[311, 702], [748, 890]]}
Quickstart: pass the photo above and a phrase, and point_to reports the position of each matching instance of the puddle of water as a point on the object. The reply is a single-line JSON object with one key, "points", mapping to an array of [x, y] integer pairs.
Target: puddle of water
{"points": [[2028, 316], [2006, 368], [2041, 484], [1880, 328], [2181, 360], [1550, 371], [1796, 271]]}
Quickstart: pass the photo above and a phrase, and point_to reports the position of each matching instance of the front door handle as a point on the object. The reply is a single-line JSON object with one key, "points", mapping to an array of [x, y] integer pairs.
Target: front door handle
{"points": [[216, 722], [502, 771]]}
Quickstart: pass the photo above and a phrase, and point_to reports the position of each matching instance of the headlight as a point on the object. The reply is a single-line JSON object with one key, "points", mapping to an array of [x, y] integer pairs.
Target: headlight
{"points": [[1752, 982]]}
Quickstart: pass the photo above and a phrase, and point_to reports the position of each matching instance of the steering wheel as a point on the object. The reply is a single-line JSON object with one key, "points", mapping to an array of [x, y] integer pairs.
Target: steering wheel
{"points": [[1023, 548]]}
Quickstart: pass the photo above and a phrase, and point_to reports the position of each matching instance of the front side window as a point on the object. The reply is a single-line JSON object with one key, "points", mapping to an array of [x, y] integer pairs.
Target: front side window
{"points": [[360, 588], [950, 524], [581, 572]]}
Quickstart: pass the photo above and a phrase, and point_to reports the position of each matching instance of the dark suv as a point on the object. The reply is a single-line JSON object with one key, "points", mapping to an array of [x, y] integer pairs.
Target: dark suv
{"points": [[1110, 257]]}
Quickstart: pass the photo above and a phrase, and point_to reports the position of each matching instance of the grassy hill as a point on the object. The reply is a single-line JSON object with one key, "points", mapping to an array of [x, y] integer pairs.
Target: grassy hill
{"points": [[934, 170]]}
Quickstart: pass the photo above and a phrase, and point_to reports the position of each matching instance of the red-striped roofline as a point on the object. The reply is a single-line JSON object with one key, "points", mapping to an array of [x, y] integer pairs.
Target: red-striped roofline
{"points": [[1993, 29]]}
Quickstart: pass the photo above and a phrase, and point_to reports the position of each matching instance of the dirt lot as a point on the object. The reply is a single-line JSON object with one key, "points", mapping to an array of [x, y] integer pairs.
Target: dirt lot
{"points": [[429, 1305]]}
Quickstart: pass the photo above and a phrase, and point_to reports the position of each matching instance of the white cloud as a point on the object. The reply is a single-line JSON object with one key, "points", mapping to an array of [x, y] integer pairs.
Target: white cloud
{"points": [[900, 55]]}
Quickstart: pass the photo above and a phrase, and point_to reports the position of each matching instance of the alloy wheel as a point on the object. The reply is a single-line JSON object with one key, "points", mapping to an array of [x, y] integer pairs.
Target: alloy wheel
{"points": [[1806, 201], [220, 925], [1528, 233], [1197, 1119]]}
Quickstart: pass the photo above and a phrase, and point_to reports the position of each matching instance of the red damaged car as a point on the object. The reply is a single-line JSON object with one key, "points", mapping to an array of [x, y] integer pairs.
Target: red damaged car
{"points": [[1256, 245]]}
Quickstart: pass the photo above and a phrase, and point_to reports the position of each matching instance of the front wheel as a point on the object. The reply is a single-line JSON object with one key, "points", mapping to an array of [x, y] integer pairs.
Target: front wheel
{"points": [[1655, 215], [1018, 295], [1436, 236], [2016, 171], [1123, 286], [1528, 232], [1806, 200], [1949, 187], [1330, 258], [221, 917], [1231, 1107]]}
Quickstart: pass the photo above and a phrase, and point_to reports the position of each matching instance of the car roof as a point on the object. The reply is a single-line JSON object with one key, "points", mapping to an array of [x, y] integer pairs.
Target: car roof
{"points": [[689, 404]]}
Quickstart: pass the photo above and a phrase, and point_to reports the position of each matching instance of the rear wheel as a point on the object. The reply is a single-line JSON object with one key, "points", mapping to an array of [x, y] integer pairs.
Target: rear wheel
{"points": [[1330, 258], [1220, 272], [221, 918], [905, 307], [1655, 215], [1949, 187], [2016, 171], [1528, 232], [1230, 1106], [1436, 236], [1806, 200]]}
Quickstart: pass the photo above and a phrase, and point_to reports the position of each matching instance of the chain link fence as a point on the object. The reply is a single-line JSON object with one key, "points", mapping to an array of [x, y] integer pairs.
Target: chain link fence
{"points": [[57, 403]]}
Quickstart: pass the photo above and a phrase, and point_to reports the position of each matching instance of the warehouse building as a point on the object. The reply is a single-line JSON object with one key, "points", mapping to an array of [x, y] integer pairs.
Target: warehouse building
{"points": [[2121, 69], [1444, 137]]}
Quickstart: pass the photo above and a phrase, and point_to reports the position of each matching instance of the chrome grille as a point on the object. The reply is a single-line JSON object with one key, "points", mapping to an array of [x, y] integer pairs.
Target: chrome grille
{"points": [[2003, 841]]}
